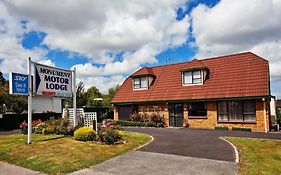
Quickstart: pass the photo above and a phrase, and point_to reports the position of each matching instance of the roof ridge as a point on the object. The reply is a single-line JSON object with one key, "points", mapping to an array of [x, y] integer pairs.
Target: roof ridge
{"points": [[216, 57]]}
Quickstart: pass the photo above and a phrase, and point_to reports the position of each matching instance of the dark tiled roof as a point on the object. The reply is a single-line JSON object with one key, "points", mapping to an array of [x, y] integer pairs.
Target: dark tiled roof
{"points": [[238, 75]]}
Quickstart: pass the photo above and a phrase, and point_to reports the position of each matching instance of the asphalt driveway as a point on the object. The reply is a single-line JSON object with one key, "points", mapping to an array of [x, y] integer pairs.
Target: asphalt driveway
{"points": [[197, 143]]}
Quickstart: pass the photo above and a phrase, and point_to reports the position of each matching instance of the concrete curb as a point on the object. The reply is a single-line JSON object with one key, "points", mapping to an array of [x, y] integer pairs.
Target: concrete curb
{"points": [[141, 146], [235, 149]]}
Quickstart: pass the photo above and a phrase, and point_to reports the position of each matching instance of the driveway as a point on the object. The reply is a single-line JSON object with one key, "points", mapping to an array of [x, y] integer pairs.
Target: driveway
{"points": [[200, 143]]}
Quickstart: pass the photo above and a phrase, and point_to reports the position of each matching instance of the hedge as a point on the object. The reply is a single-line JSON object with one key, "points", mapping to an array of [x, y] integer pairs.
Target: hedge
{"points": [[242, 129], [134, 123], [12, 121], [221, 128]]}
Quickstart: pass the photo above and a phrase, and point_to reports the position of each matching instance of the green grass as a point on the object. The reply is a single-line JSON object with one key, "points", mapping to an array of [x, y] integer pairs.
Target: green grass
{"points": [[258, 157], [54, 154]]}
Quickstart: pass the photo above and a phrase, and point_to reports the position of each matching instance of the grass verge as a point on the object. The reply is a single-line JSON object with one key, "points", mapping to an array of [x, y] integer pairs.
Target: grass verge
{"points": [[53, 154], [258, 156]]}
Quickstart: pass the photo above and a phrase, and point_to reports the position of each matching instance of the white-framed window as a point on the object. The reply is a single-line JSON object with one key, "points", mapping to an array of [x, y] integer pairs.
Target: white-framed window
{"points": [[192, 77], [140, 82]]}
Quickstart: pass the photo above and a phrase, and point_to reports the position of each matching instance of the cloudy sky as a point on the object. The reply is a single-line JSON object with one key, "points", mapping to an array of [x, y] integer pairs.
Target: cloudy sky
{"points": [[108, 40]]}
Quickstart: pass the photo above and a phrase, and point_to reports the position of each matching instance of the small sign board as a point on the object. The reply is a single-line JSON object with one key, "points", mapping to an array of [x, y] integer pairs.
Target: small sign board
{"points": [[18, 83], [51, 81]]}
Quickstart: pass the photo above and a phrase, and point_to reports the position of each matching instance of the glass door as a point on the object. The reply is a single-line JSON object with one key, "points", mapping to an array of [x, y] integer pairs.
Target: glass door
{"points": [[176, 114]]}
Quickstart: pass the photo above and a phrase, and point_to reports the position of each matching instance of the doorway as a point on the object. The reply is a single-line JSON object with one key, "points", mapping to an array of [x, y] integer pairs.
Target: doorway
{"points": [[176, 114]]}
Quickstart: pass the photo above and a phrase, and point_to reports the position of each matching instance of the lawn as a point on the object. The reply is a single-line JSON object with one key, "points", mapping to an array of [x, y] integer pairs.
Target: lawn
{"points": [[258, 156], [55, 154]]}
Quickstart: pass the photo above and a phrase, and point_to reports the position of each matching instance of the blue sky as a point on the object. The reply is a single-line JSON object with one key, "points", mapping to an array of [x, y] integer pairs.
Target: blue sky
{"points": [[108, 41]]}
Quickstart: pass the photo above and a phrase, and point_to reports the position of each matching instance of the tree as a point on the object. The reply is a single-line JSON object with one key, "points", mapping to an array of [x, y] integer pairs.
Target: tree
{"points": [[81, 99], [2, 79], [91, 95], [109, 95]]}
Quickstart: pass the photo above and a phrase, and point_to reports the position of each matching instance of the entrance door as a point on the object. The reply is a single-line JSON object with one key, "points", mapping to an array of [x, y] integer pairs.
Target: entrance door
{"points": [[176, 114]]}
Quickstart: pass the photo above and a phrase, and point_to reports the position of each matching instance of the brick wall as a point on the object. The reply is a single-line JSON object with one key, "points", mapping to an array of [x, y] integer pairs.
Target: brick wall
{"points": [[211, 120]]}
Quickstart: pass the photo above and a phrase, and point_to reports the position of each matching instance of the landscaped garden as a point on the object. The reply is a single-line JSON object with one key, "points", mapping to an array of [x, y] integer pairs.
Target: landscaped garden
{"points": [[58, 147], [257, 156]]}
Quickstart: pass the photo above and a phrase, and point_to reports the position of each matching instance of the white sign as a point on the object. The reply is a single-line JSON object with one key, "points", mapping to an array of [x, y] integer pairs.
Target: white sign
{"points": [[51, 81]]}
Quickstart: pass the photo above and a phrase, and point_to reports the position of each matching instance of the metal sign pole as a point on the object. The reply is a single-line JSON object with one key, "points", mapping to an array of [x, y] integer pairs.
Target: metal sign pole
{"points": [[29, 119], [74, 97]]}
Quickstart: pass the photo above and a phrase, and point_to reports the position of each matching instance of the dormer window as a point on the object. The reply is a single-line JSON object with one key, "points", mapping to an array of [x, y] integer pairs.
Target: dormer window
{"points": [[140, 82], [192, 77]]}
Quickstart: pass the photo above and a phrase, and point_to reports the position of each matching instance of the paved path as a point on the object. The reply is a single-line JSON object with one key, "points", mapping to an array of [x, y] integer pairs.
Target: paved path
{"points": [[139, 163], [8, 169]]}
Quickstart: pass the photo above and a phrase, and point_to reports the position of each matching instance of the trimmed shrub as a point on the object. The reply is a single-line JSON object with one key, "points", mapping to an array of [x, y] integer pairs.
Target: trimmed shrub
{"points": [[242, 129], [221, 128], [109, 135], [85, 134]]}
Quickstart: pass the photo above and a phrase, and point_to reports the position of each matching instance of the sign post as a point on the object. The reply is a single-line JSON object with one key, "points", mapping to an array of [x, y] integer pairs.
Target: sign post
{"points": [[74, 96], [29, 117]]}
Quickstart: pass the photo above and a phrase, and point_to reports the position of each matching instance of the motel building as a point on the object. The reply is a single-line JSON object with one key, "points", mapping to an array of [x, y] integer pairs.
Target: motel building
{"points": [[231, 91]]}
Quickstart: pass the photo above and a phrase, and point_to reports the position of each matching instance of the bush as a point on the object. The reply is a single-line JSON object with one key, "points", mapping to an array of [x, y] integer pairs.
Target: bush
{"points": [[84, 134], [49, 130], [109, 135], [242, 129], [39, 128], [221, 128], [157, 119], [139, 117]]}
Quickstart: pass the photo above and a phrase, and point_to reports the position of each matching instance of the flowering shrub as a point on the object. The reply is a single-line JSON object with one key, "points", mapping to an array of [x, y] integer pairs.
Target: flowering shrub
{"points": [[109, 135], [85, 134], [24, 126]]}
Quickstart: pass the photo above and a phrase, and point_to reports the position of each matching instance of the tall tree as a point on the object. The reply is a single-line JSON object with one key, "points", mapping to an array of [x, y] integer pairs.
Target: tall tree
{"points": [[81, 95], [91, 95], [109, 95]]}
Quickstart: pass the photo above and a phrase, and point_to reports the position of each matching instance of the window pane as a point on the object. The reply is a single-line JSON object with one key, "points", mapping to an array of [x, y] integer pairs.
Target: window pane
{"points": [[187, 78], [197, 77], [222, 117], [197, 74], [197, 109], [249, 112], [235, 111], [144, 82], [137, 83], [222, 111]]}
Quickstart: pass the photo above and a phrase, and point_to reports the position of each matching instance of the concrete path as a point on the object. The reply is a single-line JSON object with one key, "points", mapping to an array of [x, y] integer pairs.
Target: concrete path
{"points": [[139, 163], [8, 169]]}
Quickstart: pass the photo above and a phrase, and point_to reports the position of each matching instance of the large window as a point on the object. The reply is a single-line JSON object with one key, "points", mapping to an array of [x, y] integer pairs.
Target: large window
{"points": [[140, 83], [192, 77], [243, 110], [197, 109]]}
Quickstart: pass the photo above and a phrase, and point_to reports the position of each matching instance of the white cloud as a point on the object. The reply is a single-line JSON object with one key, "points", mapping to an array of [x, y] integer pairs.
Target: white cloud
{"points": [[241, 25], [138, 29], [13, 57]]}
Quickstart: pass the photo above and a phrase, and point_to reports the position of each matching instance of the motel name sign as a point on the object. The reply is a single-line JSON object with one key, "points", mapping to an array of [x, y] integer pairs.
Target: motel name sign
{"points": [[50, 81]]}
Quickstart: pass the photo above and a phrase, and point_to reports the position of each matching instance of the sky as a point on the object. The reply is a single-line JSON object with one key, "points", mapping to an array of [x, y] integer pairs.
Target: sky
{"points": [[108, 40]]}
